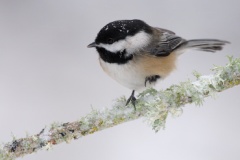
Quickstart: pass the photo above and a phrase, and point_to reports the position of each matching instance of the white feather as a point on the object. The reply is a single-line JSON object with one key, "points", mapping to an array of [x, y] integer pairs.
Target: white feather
{"points": [[128, 75], [131, 43]]}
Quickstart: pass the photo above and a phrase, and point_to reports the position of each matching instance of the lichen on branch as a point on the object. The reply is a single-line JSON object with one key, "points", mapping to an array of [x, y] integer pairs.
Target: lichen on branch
{"points": [[151, 104]]}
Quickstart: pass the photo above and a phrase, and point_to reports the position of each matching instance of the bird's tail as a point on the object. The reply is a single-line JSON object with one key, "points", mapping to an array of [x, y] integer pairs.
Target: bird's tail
{"points": [[208, 45]]}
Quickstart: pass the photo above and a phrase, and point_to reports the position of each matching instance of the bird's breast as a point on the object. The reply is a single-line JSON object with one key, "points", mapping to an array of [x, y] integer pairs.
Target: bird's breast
{"points": [[133, 73]]}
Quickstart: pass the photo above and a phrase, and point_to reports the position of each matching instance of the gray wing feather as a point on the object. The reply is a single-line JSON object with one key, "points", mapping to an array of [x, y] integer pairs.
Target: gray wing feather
{"points": [[164, 30], [164, 43]]}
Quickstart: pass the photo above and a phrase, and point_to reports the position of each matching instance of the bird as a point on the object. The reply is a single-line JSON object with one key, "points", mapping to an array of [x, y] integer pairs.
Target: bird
{"points": [[138, 55]]}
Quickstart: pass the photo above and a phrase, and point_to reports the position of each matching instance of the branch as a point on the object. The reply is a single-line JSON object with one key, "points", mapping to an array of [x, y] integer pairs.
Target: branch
{"points": [[151, 104]]}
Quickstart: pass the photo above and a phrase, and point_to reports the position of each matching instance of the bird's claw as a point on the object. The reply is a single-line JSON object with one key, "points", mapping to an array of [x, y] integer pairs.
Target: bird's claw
{"points": [[132, 99]]}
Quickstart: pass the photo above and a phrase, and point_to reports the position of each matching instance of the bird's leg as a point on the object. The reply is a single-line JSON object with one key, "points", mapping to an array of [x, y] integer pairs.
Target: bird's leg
{"points": [[151, 79], [132, 99]]}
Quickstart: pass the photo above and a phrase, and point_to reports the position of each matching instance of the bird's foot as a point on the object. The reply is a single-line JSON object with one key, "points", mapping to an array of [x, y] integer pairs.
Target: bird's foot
{"points": [[151, 79], [132, 99]]}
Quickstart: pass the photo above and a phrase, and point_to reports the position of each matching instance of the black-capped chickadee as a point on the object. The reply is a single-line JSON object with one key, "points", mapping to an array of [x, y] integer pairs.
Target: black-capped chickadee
{"points": [[138, 55]]}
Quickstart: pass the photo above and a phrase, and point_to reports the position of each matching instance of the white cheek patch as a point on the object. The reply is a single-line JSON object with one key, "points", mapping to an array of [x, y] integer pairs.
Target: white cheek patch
{"points": [[115, 47], [131, 44], [137, 42]]}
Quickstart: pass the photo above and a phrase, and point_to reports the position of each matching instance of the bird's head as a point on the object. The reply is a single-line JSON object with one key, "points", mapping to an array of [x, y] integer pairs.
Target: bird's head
{"points": [[123, 37]]}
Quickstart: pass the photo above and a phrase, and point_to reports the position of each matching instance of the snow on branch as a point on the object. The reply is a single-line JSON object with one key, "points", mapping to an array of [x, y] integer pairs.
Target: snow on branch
{"points": [[151, 104]]}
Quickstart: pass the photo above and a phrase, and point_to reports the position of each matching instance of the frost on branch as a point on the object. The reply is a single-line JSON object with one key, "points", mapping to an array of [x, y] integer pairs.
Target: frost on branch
{"points": [[153, 105], [161, 103]]}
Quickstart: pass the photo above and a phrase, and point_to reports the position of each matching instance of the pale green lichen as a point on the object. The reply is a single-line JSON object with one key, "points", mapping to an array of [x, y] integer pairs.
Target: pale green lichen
{"points": [[153, 105], [176, 96]]}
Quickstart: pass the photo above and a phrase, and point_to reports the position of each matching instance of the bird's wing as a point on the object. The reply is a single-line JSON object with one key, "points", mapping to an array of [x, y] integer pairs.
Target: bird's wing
{"points": [[164, 42], [164, 30]]}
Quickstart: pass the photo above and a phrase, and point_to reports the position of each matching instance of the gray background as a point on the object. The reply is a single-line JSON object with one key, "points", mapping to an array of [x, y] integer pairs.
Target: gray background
{"points": [[47, 74]]}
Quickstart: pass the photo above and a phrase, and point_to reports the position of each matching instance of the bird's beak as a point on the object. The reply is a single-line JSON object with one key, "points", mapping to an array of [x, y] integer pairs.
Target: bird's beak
{"points": [[92, 45]]}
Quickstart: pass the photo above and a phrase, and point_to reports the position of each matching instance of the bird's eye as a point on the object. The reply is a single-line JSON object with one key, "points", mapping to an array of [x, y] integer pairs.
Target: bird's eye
{"points": [[110, 41]]}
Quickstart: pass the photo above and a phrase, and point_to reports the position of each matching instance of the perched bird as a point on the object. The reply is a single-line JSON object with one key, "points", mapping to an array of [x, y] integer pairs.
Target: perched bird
{"points": [[137, 55]]}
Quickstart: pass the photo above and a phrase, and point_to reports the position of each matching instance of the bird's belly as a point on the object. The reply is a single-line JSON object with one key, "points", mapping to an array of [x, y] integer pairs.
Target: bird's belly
{"points": [[133, 74], [127, 74]]}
